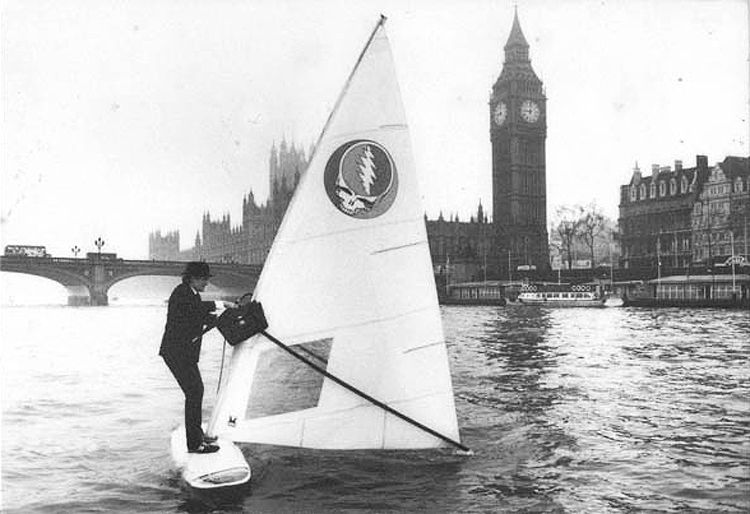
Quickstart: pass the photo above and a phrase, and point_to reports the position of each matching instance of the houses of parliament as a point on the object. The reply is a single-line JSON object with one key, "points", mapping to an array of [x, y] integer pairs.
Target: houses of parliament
{"points": [[474, 249]]}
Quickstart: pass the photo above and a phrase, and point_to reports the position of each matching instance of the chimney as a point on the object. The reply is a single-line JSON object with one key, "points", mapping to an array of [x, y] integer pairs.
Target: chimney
{"points": [[677, 165], [701, 161], [654, 169]]}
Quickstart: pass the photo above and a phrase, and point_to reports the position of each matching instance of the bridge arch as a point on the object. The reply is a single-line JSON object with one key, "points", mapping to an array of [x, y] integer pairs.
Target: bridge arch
{"points": [[88, 280], [25, 289]]}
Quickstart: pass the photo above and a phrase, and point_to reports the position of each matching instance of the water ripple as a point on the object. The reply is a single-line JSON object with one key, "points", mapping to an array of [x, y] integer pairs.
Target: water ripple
{"points": [[605, 410]]}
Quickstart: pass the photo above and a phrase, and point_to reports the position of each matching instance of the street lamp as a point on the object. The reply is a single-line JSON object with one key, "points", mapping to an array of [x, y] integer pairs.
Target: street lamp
{"points": [[99, 243], [75, 250]]}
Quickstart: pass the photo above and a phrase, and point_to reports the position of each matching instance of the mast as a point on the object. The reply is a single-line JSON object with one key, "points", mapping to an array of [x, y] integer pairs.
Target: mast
{"points": [[380, 22]]}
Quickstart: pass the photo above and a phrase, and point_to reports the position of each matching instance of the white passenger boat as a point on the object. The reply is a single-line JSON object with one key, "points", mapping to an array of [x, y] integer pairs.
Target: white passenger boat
{"points": [[561, 295]]}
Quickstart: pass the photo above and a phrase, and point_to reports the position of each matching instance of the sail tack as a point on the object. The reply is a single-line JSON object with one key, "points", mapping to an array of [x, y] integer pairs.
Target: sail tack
{"points": [[349, 281]]}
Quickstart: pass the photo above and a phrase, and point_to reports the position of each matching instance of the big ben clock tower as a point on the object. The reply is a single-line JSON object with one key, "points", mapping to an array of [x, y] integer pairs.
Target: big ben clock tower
{"points": [[518, 129]]}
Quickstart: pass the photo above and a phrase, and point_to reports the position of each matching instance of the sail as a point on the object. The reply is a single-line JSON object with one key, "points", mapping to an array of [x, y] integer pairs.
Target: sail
{"points": [[349, 284]]}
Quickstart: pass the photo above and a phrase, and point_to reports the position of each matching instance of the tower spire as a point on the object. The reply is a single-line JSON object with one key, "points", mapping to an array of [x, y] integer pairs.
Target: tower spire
{"points": [[516, 48], [516, 34]]}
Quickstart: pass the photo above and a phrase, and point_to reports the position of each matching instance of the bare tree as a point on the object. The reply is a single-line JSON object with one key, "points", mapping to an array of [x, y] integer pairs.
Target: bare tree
{"points": [[566, 227], [591, 224]]}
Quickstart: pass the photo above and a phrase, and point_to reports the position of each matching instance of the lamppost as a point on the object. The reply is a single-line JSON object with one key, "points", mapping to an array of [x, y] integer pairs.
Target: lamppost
{"points": [[99, 243], [75, 250], [510, 270], [658, 259]]}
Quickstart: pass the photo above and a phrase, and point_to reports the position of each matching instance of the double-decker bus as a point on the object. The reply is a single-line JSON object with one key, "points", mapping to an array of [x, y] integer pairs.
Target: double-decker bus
{"points": [[25, 251]]}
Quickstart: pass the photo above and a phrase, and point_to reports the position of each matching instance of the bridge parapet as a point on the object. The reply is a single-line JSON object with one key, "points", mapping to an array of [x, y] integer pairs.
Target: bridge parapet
{"points": [[88, 280]]}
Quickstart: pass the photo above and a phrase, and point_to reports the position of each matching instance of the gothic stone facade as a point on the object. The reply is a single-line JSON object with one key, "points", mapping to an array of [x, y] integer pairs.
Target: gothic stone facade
{"points": [[463, 249], [248, 243], [720, 213], [518, 130], [164, 247], [517, 235]]}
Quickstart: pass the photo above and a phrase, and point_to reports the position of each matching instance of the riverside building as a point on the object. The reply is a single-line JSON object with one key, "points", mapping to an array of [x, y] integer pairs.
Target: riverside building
{"points": [[681, 217]]}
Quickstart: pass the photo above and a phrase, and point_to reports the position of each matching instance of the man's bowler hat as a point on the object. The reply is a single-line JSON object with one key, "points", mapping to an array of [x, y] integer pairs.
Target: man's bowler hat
{"points": [[196, 270]]}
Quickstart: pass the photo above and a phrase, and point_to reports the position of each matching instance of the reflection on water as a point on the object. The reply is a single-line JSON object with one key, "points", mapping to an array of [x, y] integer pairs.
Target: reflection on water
{"points": [[606, 409], [569, 410]]}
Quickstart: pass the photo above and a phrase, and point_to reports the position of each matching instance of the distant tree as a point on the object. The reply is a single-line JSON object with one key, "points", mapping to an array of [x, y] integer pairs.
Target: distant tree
{"points": [[566, 227], [555, 248], [591, 223]]}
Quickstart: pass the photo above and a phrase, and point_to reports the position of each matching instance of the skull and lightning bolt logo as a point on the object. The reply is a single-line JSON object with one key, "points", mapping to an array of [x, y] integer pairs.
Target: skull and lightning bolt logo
{"points": [[360, 179]]}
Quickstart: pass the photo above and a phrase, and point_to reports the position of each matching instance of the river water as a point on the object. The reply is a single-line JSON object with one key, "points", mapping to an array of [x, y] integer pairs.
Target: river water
{"points": [[569, 410]]}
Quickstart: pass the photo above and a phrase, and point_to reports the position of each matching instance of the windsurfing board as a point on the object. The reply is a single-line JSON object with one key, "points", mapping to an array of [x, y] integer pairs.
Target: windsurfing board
{"points": [[224, 468]]}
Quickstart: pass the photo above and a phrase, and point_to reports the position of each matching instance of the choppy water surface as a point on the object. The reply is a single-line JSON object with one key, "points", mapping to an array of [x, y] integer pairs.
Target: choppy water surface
{"points": [[579, 410]]}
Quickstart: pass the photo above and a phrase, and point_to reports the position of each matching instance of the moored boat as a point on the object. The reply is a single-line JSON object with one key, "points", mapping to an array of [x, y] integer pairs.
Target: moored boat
{"points": [[475, 293], [725, 291], [561, 295]]}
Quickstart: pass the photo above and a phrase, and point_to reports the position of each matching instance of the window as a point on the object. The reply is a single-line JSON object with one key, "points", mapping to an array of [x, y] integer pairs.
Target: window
{"points": [[672, 187], [652, 192], [738, 185], [683, 184], [643, 191], [662, 188], [633, 194]]}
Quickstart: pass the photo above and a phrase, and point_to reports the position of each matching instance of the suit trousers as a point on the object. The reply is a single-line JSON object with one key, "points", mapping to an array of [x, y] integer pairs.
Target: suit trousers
{"points": [[189, 378]]}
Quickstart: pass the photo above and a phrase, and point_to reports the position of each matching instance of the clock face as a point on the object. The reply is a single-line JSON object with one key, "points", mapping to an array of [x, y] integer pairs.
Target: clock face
{"points": [[501, 111], [529, 111]]}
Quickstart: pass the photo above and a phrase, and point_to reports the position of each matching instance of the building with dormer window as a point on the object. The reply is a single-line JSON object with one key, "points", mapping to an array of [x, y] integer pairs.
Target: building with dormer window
{"points": [[721, 211], [703, 223], [659, 228]]}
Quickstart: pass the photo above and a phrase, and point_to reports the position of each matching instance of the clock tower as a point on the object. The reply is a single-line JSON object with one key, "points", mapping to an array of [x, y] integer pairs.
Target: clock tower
{"points": [[518, 129]]}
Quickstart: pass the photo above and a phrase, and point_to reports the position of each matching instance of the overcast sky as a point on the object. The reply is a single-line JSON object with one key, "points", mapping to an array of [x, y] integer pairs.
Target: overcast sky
{"points": [[121, 117]]}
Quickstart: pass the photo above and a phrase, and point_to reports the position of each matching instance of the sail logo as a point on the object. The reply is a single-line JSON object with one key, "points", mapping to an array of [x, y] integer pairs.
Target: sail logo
{"points": [[360, 179]]}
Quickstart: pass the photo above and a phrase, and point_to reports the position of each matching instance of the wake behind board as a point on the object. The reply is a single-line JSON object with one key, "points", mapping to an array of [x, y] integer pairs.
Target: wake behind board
{"points": [[224, 468]]}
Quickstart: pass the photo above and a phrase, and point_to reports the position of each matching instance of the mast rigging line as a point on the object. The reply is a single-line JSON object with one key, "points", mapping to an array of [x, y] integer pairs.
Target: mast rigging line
{"points": [[364, 395], [381, 21]]}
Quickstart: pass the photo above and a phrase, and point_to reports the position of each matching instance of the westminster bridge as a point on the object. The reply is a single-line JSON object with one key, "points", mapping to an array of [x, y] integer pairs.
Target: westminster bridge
{"points": [[88, 279]]}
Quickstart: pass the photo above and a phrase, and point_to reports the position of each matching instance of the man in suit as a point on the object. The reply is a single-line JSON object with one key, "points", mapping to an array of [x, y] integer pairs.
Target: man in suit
{"points": [[187, 315]]}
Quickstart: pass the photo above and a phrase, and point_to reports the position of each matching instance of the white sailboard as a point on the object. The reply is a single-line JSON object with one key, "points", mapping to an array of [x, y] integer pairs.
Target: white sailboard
{"points": [[348, 284], [224, 468]]}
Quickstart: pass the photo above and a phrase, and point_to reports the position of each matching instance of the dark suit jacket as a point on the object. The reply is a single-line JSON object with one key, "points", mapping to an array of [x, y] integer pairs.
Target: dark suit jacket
{"points": [[186, 316]]}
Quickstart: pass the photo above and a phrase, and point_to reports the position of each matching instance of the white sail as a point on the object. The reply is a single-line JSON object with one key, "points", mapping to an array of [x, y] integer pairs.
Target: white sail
{"points": [[349, 282]]}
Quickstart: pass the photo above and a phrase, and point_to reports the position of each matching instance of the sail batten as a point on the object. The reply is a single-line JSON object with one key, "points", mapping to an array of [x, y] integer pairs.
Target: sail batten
{"points": [[349, 272], [400, 247], [386, 226]]}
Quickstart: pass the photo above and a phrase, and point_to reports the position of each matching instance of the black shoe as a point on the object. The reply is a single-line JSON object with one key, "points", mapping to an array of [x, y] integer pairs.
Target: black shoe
{"points": [[204, 448], [210, 438]]}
